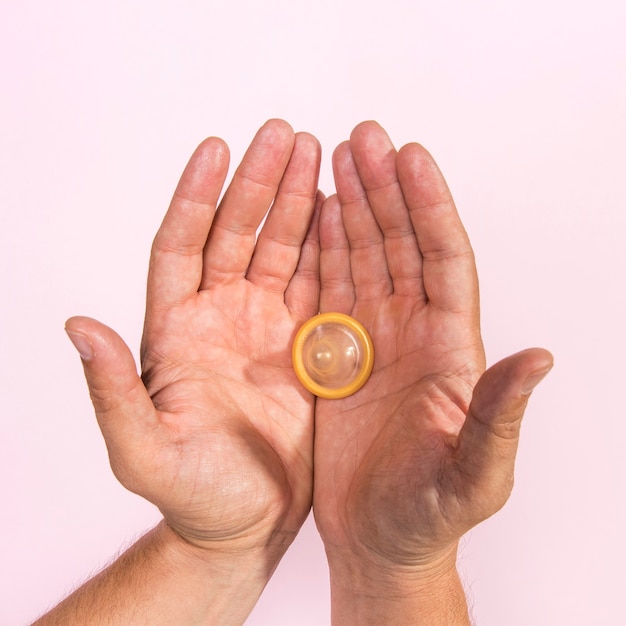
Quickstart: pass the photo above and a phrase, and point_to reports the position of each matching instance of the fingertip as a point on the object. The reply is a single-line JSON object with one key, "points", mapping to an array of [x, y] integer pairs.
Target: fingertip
{"points": [[307, 150], [540, 363], [205, 172], [77, 320], [526, 365], [94, 340], [347, 181], [421, 178], [278, 122], [539, 357], [307, 139], [364, 128], [80, 340], [83, 333], [278, 127], [342, 153], [210, 155], [87, 326], [415, 156], [212, 144]]}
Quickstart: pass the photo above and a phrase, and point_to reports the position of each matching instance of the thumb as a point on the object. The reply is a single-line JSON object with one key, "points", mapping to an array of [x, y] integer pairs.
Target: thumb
{"points": [[122, 404], [488, 441]]}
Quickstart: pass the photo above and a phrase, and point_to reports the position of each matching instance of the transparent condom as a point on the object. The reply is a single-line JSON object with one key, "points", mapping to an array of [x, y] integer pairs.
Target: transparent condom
{"points": [[333, 355]]}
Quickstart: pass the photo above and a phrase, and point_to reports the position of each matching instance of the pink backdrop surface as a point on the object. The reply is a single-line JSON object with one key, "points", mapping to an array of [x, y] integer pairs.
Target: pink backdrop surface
{"points": [[524, 106]]}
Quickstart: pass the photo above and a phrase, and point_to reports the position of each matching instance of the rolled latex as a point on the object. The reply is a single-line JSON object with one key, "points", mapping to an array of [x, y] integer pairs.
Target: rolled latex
{"points": [[333, 355]]}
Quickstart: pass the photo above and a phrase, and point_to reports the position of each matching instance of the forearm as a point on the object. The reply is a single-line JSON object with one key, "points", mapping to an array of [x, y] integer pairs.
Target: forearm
{"points": [[364, 594], [163, 580]]}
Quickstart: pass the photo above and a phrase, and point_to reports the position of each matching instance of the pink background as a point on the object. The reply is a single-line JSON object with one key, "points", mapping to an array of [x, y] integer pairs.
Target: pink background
{"points": [[524, 106]]}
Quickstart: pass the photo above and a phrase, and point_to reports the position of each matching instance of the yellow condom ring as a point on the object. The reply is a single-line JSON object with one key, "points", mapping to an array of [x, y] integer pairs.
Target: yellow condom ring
{"points": [[333, 355]]}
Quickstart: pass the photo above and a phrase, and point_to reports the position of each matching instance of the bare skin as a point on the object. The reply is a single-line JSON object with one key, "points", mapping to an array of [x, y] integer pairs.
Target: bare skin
{"points": [[425, 450], [218, 433]]}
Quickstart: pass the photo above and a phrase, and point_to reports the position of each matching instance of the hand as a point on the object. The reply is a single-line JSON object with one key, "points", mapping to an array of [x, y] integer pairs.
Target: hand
{"points": [[218, 433], [425, 450]]}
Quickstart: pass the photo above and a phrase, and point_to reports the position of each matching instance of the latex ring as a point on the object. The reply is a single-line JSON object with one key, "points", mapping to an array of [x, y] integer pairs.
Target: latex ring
{"points": [[333, 355]]}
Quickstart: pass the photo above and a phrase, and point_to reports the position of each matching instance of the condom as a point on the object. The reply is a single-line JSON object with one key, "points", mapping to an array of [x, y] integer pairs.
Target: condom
{"points": [[333, 355]]}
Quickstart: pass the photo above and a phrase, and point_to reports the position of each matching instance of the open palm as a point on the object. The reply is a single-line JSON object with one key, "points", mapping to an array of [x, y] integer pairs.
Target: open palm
{"points": [[407, 464], [218, 433]]}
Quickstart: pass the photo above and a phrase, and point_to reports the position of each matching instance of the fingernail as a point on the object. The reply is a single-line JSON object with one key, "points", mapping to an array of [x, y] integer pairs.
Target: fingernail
{"points": [[533, 380], [81, 343]]}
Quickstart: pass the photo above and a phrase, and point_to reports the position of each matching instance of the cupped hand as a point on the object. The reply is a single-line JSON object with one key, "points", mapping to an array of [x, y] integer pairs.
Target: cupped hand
{"points": [[217, 432], [425, 450]]}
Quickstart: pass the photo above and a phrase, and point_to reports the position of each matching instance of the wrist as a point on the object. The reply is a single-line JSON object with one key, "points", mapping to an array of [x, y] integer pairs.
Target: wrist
{"points": [[367, 589], [366, 569], [226, 578], [235, 560]]}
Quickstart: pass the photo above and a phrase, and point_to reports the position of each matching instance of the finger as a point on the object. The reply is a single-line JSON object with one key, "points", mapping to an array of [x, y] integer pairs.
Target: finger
{"points": [[123, 407], [176, 259], [233, 234], [277, 250], [449, 271], [367, 251], [302, 294], [336, 286], [375, 159], [488, 440]]}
